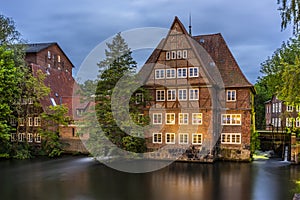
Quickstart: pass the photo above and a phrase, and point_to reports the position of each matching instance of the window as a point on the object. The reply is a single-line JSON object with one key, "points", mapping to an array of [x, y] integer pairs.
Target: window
{"points": [[182, 94], [273, 108], [279, 107], [170, 73], [194, 94], [171, 95], [30, 101], [276, 107], [157, 118], [13, 121], [289, 108], [157, 138], [231, 119], [181, 72], [37, 138], [139, 98], [197, 138], [197, 118], [173, 54], [277, 122], [160, 95], [179, 54], [183, 118], [231, 95], [193, 72], [297, 108], [49, 55], [21, 121], [159, 73], [168, 55], [170, 118], [13, 137], [231, 138], [58, 58], [21, 137], [289, 122], [37, 121], [53, 101], [183, 138], [30, 121], [140, 118], [184, 54], [29, 137], [297, 122], [170, 138]]}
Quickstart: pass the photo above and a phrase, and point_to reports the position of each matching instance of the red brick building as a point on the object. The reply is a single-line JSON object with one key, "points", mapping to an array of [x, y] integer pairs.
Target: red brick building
{"points": [[202, 104], [52, 61]]}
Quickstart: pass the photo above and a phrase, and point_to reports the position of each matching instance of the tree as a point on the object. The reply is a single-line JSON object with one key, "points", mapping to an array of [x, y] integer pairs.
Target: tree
{"points": [[117, 64], [290, 14], [11, 75], [281, 72]]}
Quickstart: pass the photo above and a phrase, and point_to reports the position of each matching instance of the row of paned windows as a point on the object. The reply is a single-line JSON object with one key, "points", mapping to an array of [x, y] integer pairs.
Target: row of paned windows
{"points": [[179, 54], [183, 138], [183, 94], [277, 108], [289, 122], [191, 72], [22, 137], [183, 118], [31, 121]]}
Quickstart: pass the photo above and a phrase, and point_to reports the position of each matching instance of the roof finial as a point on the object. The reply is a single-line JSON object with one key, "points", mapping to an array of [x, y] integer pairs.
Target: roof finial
{"points": [[190, 24]]}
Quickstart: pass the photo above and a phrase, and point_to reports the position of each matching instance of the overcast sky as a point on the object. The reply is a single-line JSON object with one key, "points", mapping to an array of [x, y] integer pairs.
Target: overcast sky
{"points": [[250, 28]]}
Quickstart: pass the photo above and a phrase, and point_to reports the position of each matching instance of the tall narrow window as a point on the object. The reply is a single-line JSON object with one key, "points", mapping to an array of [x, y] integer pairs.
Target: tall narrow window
{"points": [[179, 54], [30, 121], [289, 108], [58, 58], [160, 95], [29, 137], [168, 56], [139, 98], [182, 94], [171, 94], [183, 118], [184, 54], [49, 55], [173, 54], [37, 121], [37, 138]]}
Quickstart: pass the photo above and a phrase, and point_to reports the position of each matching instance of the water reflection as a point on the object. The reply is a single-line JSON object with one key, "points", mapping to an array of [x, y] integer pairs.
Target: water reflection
{"points": [[84, 178]]}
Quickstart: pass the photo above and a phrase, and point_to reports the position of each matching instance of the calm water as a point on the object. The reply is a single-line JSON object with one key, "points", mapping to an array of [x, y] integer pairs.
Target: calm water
{"points": [[82, 178]]}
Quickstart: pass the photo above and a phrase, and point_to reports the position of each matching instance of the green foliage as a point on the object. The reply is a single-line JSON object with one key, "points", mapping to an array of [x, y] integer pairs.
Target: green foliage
{"points": [[290, 14], [281, 71], [255, 142]]}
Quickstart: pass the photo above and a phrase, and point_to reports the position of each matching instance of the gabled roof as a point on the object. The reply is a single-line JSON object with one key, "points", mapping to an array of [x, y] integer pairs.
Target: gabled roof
{"points": [[37, 47], [216, 47]]}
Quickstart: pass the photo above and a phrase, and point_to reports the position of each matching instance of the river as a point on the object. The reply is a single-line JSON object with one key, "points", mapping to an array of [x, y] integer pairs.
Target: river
{"points": [[82, 178]]}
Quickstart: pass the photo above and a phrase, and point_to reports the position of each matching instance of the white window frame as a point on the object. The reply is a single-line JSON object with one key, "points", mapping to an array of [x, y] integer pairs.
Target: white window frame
{"points": [[195, 119], [297, 108], [231, 95], [183, 138], [183, 118], [30, 121], [279, 107], [160, 95], [289, 108], [298, 122], [170, 138], [49, 55], [184, 54], [21, 137], [224, 119], [37, 138], [139, 98], [173, 55], [197, 138], [157, 118], [156, 139], [168, 55], [179, 54], [21, 121], [170, 73], [37, 121], [170, 118], [231, 138], [29, 137], [13, 137], [159, 74], [182, 93], [273, 108], [171, 95], [182, 72], [289, 122], [193, 73], [194, 94]]}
